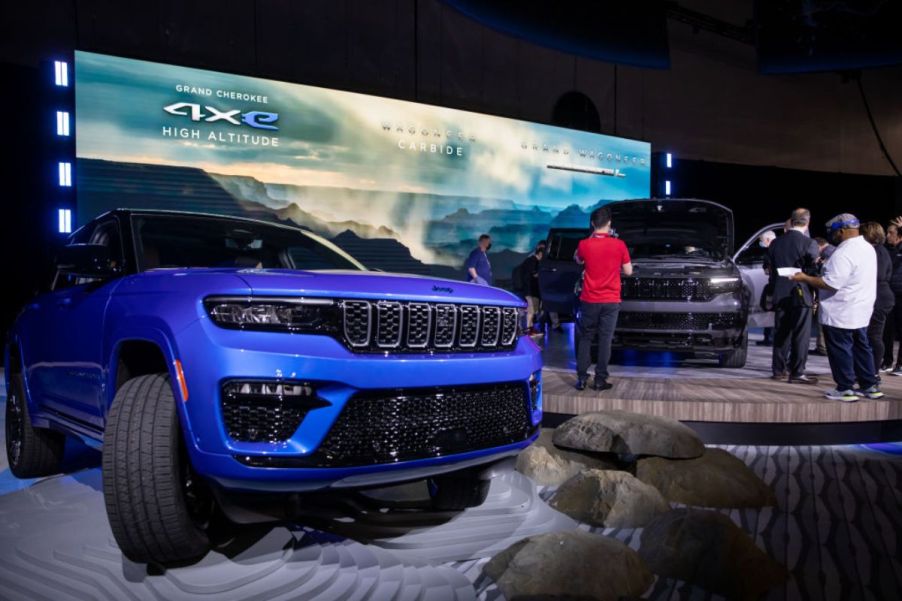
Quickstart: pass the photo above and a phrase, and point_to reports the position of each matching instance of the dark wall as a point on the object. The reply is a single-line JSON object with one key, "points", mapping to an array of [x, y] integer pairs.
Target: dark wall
{"points": [[763, 195], [27, 225]]}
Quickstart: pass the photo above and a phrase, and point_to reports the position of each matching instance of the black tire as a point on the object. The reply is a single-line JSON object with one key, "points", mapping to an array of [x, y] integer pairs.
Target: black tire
{"points": [[158, 507], [736, 359], [31, 452], [458, 490]]}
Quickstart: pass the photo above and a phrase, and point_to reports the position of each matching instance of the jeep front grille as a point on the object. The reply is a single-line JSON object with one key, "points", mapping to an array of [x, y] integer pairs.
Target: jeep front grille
{"points": [[389, 426], [664, 289], [391, 326], [634, 320]]}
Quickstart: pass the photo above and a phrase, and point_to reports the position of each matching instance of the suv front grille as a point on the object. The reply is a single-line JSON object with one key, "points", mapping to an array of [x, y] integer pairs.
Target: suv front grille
{"points": [[630, 320], [401, 425], [674, 289], [390, 326]]}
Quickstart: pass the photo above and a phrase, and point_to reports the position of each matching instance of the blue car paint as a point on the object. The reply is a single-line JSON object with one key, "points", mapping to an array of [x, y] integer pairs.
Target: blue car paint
{"points": [[68, 342]]}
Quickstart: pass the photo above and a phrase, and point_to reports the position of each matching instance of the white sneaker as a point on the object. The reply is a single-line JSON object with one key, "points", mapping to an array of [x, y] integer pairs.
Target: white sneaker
{"points": [[846, 396], [896, 372], [872, 393]]}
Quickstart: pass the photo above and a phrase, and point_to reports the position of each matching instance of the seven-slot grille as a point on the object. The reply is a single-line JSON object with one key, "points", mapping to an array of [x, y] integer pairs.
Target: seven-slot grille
{"points": [[676, 289], [392, 326]]}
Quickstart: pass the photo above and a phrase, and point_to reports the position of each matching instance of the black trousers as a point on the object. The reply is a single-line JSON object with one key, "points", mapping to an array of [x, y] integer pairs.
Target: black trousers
{"points": [[891, 333], [597, 321], [875, 334], [792, 336]]}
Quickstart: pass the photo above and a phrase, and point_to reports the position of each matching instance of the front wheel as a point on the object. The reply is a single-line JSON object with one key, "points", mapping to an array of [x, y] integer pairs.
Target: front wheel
{"points": [[736, 358], [158, 508], [31, 452], [458, 490]]}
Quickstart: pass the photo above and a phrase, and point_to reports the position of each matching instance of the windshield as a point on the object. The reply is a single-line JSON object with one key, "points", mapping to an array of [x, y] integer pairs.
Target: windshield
{"points": [[677, 229], [195, 241], [562, 243]]}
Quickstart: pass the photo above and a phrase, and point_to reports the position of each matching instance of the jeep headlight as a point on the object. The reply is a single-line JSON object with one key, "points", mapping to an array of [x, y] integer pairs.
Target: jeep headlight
{"points": [[725, 284], [302, 315]]}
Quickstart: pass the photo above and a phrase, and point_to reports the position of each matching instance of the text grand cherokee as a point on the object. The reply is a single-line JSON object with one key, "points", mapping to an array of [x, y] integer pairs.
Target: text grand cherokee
{"points": [[227, 365]]}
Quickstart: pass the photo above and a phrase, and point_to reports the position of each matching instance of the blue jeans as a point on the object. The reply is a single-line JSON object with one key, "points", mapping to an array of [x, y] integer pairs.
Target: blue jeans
{"points": [[596, 323], [850, 357]]}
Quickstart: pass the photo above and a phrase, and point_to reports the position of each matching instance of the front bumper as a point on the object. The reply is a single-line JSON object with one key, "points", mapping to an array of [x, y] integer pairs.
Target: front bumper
{"points": [[211, 356], [711, 327]]}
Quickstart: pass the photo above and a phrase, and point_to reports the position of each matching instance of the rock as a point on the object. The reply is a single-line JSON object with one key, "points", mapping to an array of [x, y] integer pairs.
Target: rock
{"points": [[627, 433], [716, 479], [569, 565], [548, 465], [609, 498], [707, 549]]}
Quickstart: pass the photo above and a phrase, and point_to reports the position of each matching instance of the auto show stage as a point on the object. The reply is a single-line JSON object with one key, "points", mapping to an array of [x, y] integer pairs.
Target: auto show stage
{"points": [[729, 406]]}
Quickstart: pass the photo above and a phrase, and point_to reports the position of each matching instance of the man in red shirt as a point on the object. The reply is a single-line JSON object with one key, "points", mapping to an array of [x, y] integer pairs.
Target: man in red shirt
{"points": [[603, 257]]}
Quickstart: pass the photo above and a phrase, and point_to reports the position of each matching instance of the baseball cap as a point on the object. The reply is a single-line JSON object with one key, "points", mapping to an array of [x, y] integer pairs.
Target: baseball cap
{"points": [[843, 221]]}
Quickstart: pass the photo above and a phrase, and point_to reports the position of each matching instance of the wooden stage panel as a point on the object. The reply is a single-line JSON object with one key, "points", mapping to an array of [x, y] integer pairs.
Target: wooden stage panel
{"points": [[723, 399]]}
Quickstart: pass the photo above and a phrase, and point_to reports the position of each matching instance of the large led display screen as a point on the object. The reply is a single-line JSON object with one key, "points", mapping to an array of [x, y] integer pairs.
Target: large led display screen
{"points": [[400, 185]]}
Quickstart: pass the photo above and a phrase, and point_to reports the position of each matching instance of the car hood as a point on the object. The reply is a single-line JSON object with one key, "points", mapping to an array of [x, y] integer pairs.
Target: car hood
{"points": [[677, 222], [344, 284], [684, 268]]}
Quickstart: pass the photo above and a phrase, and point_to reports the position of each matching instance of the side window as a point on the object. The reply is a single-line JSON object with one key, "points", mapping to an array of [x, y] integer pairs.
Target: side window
{"points": [[107, 234], [754, 254]]}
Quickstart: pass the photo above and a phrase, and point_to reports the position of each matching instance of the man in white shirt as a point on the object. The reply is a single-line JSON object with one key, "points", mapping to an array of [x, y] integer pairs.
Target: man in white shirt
{"points": [[848, 292]]}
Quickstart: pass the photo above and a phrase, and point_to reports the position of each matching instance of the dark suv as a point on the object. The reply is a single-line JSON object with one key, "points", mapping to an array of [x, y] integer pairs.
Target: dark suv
{"points": [[686, 293]]}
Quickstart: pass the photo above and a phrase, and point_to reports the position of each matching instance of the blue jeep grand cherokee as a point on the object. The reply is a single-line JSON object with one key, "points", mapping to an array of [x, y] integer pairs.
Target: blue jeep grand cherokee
{"points": [[226, 366]]}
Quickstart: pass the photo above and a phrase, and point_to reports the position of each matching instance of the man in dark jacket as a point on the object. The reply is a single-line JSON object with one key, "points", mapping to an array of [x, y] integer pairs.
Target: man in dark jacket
{"points": [[792, 300], [529, 272], [894, 323]]}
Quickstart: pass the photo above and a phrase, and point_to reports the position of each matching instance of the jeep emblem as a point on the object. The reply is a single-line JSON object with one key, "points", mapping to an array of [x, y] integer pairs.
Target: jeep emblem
{"points": [[447, 289]]}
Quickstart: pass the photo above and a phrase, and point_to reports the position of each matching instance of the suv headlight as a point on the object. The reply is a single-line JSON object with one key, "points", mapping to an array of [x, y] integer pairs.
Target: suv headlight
{"points": [[303, 315], [725, 284]]}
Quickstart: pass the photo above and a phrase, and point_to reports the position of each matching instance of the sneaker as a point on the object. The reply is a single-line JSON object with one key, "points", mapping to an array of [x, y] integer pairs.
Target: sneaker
{"points": [[872, 393], [603, 385], [886, 369], [803, 379], [896, 372], [846, 396], [581, 383]]}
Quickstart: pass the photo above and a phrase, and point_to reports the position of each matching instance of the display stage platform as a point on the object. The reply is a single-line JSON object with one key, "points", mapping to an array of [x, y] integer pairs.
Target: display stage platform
{"points": [[724, 405]]}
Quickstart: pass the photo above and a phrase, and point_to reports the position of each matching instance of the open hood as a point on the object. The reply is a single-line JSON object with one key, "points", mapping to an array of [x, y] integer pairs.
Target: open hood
{"points": [[674, 229]]}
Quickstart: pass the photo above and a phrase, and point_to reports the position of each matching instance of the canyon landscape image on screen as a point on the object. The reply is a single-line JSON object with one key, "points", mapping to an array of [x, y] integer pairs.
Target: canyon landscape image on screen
{"points": [[400, 185]]}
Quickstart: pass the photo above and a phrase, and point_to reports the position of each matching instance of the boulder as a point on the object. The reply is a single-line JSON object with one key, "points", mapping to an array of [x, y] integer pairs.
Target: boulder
{"points": [[716, 479], [611, 499], [707, 549], [570, 565], [548, 465], [628, 433]]}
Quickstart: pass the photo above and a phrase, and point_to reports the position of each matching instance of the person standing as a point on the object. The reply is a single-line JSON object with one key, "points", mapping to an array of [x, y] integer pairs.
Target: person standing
{"points": [[479, 269], [894, 323], [793, 301], [848, 291], [883, 306], [603, 258], [530, 274], [764, 241]]}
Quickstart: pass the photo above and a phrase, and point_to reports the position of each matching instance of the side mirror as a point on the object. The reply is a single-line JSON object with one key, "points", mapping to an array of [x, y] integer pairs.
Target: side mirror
{"points": [[86, 260]]}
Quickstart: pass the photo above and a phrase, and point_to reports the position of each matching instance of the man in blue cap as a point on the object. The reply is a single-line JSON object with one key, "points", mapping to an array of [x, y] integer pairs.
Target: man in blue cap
{"points": [[848, 292]]}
